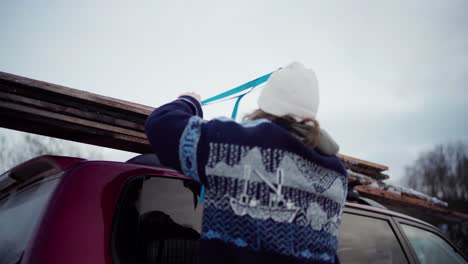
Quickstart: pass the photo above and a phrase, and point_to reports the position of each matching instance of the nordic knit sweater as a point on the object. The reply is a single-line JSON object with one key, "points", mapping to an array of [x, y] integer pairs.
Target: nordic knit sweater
{"points": [[269, 198]]}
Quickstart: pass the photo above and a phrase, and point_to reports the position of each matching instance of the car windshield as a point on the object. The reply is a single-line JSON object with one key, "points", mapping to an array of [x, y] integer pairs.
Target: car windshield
{"points": [[19, 214]]}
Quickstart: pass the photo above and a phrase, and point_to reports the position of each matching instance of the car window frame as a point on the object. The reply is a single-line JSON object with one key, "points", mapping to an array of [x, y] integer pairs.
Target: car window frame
{"points": [[120, 203], [402, 240], [427, 228], [122, 197]]}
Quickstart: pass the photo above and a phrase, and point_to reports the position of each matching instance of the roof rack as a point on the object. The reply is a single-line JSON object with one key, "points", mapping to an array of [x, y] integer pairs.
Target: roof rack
{"points": [[353, 196], [147, 159]]}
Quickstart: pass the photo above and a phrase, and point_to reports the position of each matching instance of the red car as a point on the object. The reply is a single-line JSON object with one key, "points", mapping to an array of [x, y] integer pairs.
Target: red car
{"points": [[59, 210]]}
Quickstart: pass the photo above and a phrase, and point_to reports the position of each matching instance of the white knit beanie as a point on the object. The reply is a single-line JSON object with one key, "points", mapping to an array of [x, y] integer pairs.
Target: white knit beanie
{"points": [[292, 90]]}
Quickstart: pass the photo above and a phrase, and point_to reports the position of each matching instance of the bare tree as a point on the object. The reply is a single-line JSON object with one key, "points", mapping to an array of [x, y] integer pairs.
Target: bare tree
{"points": [[443, 172], [18, 147]]}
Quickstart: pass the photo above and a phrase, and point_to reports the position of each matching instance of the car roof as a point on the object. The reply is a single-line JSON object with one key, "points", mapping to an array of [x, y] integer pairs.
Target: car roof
{"points": [[385, 212], [146, 160], [152, 161], [40, 167]]}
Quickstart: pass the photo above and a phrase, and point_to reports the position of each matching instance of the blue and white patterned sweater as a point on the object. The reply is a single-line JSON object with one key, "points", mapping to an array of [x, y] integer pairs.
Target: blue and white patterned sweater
{"points": [[269, 198]]}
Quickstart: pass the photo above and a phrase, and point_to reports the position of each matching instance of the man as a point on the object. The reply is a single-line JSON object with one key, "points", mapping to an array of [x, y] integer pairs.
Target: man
{"points": [[275, 188]]}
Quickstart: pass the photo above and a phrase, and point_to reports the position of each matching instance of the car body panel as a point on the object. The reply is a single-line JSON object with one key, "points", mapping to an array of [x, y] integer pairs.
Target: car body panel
{"points": [[385, 212], [77, 223], [76, 226]]}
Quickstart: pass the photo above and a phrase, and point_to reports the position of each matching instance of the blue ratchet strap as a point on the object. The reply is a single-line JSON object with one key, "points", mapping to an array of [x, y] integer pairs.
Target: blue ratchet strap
{"points": [[250, 85], [236, 106]]}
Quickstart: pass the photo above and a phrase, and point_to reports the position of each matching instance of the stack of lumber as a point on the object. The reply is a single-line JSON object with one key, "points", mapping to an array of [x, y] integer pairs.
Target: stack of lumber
{"points": [[370, 169], [56, 111]]}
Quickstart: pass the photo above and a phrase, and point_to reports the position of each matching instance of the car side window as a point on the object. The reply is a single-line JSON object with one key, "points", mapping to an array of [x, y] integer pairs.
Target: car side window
{"points": [[20, 213], [431, 248], [158, 221], [364, 239]]}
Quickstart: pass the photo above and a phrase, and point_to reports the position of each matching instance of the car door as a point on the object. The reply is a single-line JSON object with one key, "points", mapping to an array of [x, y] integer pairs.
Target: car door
{"points": [[370, 237]]}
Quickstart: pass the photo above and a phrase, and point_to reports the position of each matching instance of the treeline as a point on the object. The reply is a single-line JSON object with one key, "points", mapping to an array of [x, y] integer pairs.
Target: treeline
{"points": [[443, 173], [17, 147]]}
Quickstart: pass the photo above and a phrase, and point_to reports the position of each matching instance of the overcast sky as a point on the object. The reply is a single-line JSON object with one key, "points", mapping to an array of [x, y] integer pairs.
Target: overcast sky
{"points": [[393, 74]]}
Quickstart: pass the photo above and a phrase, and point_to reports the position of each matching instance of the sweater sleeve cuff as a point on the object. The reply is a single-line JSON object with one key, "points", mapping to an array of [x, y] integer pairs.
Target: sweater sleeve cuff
{"points": [[193, 103]]}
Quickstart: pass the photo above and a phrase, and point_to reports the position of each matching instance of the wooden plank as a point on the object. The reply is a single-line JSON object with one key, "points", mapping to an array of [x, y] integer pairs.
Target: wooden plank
{"points": [[406, 200], [19, 82], [95, 108], [74, 132], [364, 163], [70, 111], [38, 113]]}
